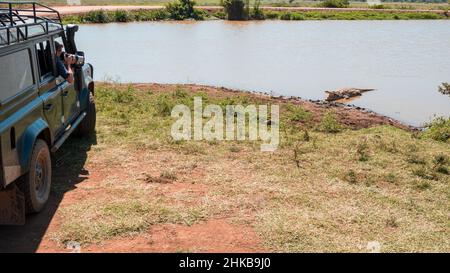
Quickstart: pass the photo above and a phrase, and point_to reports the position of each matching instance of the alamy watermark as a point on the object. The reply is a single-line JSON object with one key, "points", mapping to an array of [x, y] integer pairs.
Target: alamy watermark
{"points": [[260, 126]]}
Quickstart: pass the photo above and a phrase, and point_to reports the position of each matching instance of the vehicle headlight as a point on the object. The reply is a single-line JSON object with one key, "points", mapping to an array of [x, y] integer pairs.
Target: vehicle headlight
{"points": [[88, 71]]}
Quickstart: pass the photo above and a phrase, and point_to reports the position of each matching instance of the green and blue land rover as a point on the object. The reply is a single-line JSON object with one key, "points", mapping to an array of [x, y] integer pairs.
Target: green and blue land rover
{"points": [[39, 108]]}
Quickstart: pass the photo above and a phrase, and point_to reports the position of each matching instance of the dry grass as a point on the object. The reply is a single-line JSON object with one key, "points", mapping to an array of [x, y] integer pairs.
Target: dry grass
{"points": [[324, 192]]}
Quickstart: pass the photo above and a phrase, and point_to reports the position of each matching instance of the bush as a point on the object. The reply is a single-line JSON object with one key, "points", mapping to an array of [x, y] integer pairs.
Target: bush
{"points": [[329, 124], [440, 160], [164, 105], [297, 113], [97, 16], [351, 177], [438, 129], [335, 4], [271, 15], [257, 12], [220, 14], [184, 9], [362, 149], [424, 173], [123, 16], [297, 17], [122, 96], [151, 15], [285, 16], [235, 10], [440, 163]]}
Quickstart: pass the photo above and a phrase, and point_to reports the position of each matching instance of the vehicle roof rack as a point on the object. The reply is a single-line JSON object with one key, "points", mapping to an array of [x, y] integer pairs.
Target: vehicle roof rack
{"points": [[20, 21]]}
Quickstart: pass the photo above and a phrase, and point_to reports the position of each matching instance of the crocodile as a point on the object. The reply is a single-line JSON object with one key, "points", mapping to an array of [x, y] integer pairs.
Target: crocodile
{"points": [[346, 93]]}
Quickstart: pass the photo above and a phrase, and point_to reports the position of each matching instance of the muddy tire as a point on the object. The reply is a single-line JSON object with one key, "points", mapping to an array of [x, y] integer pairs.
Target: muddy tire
{"points": [[87, 125], [35, 185]]}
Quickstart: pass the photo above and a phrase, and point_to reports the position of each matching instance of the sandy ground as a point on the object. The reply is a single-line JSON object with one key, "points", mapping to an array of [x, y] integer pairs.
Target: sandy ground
{"points": [[68, 10]]}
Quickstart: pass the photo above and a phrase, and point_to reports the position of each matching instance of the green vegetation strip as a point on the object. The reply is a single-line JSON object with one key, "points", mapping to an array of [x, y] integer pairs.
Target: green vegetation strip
{"points": [[101, 16]]}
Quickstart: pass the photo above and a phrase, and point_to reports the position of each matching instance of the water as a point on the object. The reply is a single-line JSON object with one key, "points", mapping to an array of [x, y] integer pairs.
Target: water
{"points": [[404, 60]]}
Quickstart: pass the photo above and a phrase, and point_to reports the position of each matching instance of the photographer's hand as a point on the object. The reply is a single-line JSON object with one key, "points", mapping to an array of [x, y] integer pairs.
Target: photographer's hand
{"points": [[69, 59]]}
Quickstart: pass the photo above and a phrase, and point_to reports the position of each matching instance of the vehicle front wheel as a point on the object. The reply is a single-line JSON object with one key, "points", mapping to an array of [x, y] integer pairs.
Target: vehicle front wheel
{"points": [[87, 125], [36, 183]]}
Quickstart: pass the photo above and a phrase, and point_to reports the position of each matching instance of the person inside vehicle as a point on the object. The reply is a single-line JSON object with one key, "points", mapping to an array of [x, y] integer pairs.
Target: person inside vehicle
{"points": [[64, 69]]}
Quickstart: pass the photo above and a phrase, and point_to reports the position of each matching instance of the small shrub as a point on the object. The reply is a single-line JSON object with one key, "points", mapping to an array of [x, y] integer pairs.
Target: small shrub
{"points": [[438, 129], [306, 136], [123, 16], [335, 4], [297, 152], [164, 105], [391, 178], [389, 146], [423, 186], [414, 158], [151, 15], [363, 151], [351, 177], [169, 175], [285, 16], [235, 149], [179, 93], [392, 222], [184, 9], [159, 15], [257, 12], [329, 124], [297, 17], [297, 113], [220, 14], [123, 96], [271, 15], [424, 173], [443, 170], [97, 16], [440, 160]]}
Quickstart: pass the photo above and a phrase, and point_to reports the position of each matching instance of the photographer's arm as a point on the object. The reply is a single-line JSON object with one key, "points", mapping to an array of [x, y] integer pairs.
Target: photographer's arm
{"points": [[70, 74], [69, 60]]}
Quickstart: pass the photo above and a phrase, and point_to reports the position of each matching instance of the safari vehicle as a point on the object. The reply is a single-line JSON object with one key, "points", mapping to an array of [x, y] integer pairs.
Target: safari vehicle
{"points": [[39, 110]]}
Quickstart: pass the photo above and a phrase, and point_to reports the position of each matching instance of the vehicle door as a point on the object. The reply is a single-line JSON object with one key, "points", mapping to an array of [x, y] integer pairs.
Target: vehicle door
{"points": [[71, 105], [49, 91]]}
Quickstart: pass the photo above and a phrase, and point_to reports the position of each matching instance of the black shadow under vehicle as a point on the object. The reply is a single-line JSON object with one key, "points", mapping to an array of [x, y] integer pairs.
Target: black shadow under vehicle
{"points": [[39, 109]]}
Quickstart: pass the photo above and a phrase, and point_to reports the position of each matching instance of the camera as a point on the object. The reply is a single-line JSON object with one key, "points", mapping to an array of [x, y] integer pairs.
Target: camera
{"points": [[79, 59]]}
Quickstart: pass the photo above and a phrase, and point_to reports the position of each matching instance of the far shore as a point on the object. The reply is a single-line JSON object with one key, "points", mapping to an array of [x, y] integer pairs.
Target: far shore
{"points": [[109, 14], [74, 10]]}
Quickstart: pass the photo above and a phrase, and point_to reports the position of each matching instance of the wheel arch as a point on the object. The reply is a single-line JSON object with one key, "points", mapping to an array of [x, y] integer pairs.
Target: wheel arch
{"points": [[39, 129]]}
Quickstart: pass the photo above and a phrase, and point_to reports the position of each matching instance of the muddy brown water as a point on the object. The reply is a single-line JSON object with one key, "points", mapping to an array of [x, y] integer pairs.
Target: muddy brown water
{"points": [[404, 60]]}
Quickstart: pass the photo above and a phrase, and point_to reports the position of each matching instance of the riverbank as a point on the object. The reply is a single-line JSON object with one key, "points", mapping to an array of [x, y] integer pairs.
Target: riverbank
{"points": [[105, 14], [340, 181]]}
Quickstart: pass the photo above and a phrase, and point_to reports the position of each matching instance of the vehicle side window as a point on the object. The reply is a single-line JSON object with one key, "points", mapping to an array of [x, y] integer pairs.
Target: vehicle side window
{"points": [[45, 60], [16, 73]]}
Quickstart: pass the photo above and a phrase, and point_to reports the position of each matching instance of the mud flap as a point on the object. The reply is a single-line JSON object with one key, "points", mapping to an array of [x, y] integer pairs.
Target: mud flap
{"points": [[12, 206]]}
